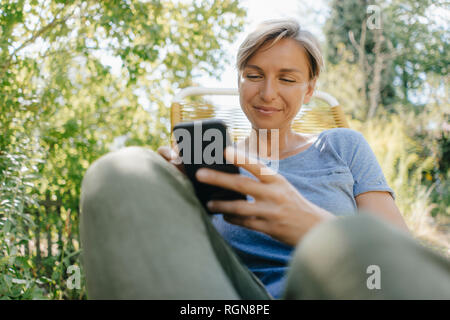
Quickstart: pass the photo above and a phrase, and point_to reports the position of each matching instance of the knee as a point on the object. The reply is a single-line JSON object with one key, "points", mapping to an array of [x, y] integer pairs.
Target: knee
{"points": [[110, 175], [128, 174], [334, 257], [127, 166], [114, 184], [122, 163], [360, 239]]}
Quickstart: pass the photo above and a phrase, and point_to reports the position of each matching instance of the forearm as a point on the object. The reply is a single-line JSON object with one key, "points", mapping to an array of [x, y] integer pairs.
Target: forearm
{"points": [[382, 205]]}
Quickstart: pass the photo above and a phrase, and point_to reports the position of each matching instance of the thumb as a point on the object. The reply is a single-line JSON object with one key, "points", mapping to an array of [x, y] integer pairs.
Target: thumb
{"points": [[173, 154]]}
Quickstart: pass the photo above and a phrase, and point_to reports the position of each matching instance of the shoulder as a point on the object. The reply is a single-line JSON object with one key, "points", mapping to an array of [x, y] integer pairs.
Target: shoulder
{"points": [[349, 144], [342, 137], [341, 133]]}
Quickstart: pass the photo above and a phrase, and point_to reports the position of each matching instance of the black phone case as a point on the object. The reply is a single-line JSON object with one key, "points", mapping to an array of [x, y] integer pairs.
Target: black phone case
{"points": [[196, 130]]}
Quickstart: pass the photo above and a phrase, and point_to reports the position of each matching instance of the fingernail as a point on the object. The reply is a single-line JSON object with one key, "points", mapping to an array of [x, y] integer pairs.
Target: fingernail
{"points": [[201, 173], [209, 204]]}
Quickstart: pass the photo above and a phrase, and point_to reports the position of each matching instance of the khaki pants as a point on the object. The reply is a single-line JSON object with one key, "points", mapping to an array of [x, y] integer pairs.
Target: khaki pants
{"points": [[145, 235]]}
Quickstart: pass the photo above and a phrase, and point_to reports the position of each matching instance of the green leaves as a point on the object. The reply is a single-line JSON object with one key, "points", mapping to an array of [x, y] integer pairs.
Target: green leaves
{"points": [[414, 46], [72, 75]]}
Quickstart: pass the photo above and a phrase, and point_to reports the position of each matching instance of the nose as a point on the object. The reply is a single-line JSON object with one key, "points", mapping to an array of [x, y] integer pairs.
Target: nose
{"points": [[268, 90]]}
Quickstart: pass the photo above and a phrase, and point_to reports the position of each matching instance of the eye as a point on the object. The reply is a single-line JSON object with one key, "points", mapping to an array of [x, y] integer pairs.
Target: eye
{"points": [[253, 76], [287, 80]]}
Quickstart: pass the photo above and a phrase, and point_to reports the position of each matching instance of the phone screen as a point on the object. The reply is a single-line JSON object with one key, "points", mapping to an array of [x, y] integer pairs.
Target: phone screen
{"points": [[201, 144]]}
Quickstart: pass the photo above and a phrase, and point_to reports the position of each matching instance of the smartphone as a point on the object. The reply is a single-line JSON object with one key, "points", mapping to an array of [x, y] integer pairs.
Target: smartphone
{"points": [[201, 144]]}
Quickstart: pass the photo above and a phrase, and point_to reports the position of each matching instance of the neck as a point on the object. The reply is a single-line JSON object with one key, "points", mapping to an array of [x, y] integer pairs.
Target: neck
{"points": [[270, 143]]}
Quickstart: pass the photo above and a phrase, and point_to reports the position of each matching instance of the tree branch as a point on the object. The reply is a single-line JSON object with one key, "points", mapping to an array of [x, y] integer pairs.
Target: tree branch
{"points": [[362, 61], [37, 34]]}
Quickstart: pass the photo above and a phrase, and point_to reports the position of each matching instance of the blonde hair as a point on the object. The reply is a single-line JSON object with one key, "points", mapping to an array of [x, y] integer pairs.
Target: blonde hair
{"points": [[275, 30]]}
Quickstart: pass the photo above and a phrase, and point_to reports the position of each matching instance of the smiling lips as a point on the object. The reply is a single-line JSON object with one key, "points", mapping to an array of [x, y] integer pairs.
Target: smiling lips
{"points": [[266, 110]]}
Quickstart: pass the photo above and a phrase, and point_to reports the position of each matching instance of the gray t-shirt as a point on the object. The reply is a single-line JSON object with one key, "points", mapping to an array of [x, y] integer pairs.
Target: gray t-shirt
{"points": [[338, 166]]}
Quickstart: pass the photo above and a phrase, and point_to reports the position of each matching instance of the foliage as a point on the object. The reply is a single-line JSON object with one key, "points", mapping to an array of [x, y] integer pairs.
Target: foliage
{"points": [[409, 155], [410, 130], [80, 78], [414, 45], [346, 92]]}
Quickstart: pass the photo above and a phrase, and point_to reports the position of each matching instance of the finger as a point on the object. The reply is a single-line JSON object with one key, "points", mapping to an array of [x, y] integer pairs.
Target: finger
{"points": [[252, 223], [170, 155], [179, 166], [241, 208], [251, 164], [232, 181], [166, 152], [162, 152]]}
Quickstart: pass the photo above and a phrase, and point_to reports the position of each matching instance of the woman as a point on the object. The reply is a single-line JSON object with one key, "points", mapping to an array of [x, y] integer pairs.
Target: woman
{"points": [[270, 248], [278, 67]]}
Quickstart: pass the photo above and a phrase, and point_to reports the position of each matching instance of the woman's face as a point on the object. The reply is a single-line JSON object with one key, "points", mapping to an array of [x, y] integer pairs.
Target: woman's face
{"points": [[274, 84]]}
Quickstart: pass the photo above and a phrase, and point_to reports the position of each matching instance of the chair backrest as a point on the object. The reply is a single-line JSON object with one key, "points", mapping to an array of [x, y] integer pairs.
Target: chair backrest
{"points": [[323, 112]]}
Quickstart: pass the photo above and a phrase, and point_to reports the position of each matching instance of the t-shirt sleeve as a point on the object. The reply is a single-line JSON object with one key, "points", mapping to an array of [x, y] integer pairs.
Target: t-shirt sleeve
{"points": [[363, 164]]}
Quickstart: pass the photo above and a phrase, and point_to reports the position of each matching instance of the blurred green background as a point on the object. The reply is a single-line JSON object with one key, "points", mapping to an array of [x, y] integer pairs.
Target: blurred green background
{"points": [[81, 78]]}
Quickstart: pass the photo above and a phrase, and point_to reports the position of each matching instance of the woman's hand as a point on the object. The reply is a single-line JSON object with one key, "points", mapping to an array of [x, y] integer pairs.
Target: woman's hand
{"points": [[172, 157], [278, 210]]}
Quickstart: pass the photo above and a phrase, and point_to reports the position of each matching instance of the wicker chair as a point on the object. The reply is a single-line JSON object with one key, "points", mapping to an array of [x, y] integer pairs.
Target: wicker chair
{"points": [[323, 112]]}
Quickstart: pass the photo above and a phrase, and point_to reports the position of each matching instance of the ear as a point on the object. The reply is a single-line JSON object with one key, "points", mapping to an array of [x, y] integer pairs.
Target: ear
{"points": [[310, 91]]}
